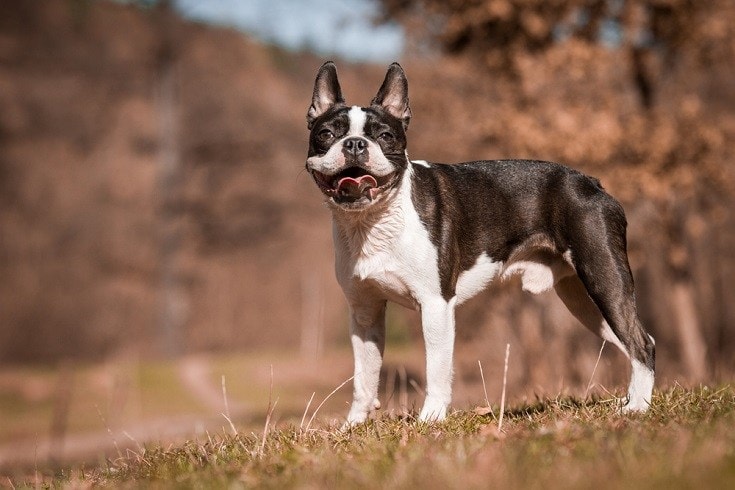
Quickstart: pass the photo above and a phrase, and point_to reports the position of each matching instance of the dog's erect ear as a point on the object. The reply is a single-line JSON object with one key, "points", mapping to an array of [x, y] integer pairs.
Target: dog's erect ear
{"points": [[393, 94], [327, 92]]}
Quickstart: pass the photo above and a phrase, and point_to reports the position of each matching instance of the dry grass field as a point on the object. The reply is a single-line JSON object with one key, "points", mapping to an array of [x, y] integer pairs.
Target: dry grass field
{"points": [[687, 440]]}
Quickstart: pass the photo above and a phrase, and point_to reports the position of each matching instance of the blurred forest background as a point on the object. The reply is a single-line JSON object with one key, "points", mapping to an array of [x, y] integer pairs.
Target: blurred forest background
{"points": [[153, 200]]}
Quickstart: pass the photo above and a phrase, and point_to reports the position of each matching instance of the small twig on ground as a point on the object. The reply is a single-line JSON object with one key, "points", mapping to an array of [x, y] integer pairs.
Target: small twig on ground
{"points": [[486, 409], [594, 370], [268, 416], [505, 382], [610, 393], [109, 431], [229, 421], [303, 418], [271, 407], [140, 446], [226, 415], [325, 400], [484, 388]]}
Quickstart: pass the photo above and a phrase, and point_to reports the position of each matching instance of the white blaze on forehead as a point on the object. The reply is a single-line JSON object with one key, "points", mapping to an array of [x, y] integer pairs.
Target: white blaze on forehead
{"points": [[357, 116]]}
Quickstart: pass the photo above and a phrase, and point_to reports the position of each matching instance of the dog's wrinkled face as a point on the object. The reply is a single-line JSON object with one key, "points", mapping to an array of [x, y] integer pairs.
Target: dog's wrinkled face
{"points": [[357, 154]]}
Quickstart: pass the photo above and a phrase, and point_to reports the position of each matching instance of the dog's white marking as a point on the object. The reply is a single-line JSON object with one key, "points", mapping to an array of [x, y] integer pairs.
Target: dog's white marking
{"points": [[367, 328], [607, 334], [387, 255], [640, 388], [423, 163], [357, 116], [437, 323], [476, 279], [574, 295], [541, 274], [535, 277], [391, 251], [333, 161]]}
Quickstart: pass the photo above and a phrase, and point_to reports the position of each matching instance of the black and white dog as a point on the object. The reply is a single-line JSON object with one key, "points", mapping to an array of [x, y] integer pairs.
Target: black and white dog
{"points": [[430, 236]]}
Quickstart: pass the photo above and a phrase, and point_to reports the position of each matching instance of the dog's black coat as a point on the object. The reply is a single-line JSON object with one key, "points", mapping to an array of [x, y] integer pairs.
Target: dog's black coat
{"points": [[522, 198], [527, 200]]}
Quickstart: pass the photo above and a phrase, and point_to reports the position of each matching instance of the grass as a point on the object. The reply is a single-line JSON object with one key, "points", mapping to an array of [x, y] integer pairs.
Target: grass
{"points": [[687, 439]]}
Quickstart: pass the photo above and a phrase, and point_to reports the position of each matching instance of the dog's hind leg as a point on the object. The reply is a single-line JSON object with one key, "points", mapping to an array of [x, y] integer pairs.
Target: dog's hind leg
{"points": [[601, 295], [367, 329], [623, 330]]}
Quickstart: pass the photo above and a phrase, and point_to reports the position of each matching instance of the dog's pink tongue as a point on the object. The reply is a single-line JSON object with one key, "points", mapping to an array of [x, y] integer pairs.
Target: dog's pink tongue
{"points": [[357, 187]]}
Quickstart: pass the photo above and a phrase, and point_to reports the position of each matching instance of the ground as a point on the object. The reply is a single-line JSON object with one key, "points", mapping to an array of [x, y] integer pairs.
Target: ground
{"points": [[687, 439]]}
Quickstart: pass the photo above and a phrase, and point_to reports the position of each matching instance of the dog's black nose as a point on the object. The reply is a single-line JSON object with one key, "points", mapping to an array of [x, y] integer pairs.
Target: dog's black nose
{"points": [[355, 146]]}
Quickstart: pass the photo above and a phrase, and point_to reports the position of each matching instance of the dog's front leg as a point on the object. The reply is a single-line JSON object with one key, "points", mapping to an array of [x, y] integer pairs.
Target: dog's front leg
{"points": [[367, 329], [437, 319]]}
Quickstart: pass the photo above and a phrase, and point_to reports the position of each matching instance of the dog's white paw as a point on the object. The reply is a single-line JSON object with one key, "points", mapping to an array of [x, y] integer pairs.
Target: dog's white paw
{"points": [[640, 388], [433, 411], [353, 420], [358, 415], [636, 405]]}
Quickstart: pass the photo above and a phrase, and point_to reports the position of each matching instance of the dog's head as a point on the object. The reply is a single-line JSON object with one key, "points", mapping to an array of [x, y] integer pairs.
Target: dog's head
{"points": [[357, 154]]}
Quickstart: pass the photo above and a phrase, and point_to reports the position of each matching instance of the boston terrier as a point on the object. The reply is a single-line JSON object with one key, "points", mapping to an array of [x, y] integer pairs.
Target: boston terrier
{"points": [[429, 236]]}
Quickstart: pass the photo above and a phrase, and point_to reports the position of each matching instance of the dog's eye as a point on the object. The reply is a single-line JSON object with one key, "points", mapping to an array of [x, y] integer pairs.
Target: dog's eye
{"points": [[386, 136], [325, 135]]}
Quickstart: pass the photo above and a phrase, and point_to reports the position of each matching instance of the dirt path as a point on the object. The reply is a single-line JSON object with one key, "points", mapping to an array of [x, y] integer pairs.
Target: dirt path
{"points": [[195, 376], [110, 444]]}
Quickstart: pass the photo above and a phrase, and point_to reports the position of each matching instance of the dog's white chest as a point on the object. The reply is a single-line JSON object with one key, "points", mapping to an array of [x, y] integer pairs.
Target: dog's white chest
{"points": [[405, 272], [387, 276], [394, 256]]}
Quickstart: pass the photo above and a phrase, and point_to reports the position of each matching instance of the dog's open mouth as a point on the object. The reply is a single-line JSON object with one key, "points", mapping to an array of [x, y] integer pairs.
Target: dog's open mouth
{"points": [[352, 184]]}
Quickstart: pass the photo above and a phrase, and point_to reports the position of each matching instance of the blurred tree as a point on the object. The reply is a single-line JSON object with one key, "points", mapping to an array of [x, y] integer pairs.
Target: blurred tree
{"points": [[499, 32]]}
